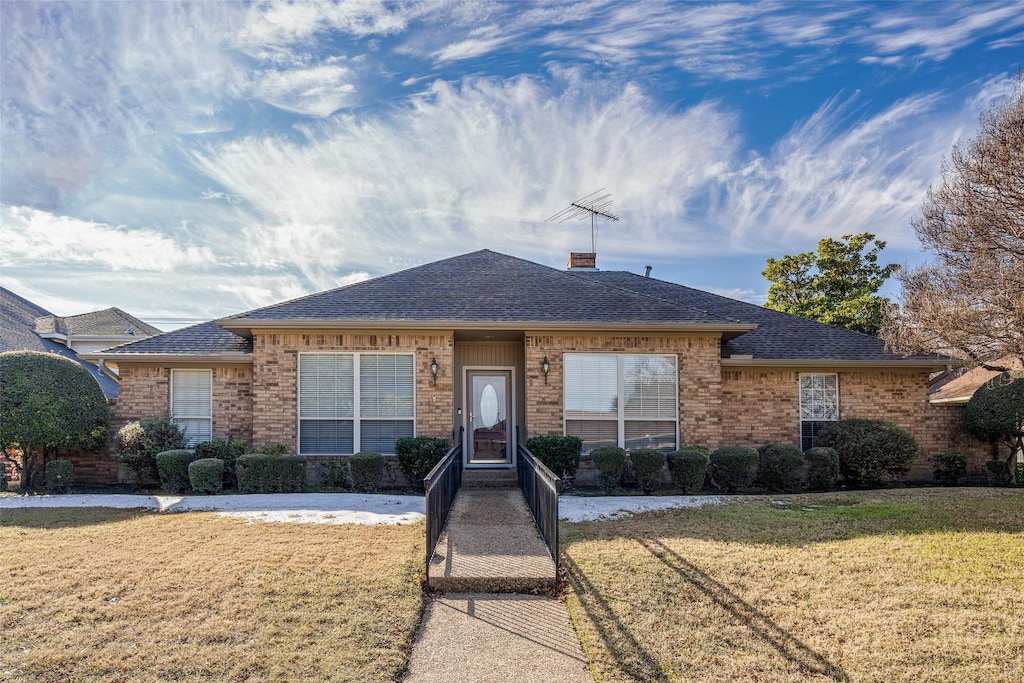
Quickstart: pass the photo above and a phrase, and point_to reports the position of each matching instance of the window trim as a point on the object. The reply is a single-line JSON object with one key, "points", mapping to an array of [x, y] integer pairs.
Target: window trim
{"points": [[356, 418], [800, 407], [620, 418], [209, 418]]}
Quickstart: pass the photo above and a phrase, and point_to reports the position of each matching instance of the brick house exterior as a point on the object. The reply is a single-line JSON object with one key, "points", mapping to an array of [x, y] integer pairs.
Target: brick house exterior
{"points": [[610, 356]]}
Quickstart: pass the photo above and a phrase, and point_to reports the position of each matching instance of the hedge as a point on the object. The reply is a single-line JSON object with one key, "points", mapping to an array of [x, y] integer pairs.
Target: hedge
{"points": [[263, 473], [206, 475], [871, 452], [688, 467], [418, 455], [822, 468], [733, 467], [367, 471], [172, 467], [227, 451], [949, 468], [780, 467], [610, 462], [649, 468], [560, 454]]}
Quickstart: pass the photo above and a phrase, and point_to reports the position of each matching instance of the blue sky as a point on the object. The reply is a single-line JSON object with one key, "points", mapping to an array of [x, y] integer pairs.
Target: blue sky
{"points": [[187, 161]]}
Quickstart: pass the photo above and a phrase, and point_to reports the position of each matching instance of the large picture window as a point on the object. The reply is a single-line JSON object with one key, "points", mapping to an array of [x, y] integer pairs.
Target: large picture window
{"points": [[192, 403], [631, 401], [819, 405], [339, 415]]}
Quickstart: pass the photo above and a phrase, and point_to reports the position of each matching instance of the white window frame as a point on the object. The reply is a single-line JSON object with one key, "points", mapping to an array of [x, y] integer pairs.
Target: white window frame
{"points": [[620, 419], [800, 392], [356, 418], [208, 417]]}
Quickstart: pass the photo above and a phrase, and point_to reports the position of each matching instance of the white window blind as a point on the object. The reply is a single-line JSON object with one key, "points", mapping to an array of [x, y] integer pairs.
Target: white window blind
{"points": [[591, 385], [192, 403]]}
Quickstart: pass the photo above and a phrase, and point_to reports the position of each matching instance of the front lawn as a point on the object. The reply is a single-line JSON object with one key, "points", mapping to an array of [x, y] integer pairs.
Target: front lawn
{"points": [[912, 585], [111, 595]]}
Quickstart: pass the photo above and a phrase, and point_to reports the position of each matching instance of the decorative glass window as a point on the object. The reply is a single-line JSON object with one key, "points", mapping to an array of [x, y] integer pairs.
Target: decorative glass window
{"points": [[631, 401], [819, 405], [338, 415], [192, 403]]}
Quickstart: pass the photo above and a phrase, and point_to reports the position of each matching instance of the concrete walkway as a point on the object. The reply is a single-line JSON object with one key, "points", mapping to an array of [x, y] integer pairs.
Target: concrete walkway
{"points": [[485, 628]]}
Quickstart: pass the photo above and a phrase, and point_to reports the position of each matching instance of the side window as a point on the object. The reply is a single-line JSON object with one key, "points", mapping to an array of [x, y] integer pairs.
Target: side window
{"points": [[819, 405], [192, 403]]}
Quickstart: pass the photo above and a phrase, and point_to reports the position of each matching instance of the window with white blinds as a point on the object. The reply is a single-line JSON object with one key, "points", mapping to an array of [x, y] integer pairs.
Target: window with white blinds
{"points": [[626, 400], [192, 403], [819, 405], [338, 415]]}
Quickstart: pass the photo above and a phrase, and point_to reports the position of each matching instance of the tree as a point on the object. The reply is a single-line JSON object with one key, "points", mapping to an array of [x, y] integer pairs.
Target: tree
{"points": [[995, 412], [837, 285], [969, 301], [48, 405]]}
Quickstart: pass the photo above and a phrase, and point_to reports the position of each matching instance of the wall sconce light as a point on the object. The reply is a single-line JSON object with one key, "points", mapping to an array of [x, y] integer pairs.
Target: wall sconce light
{"points": [[433, 370], [545, 367]]}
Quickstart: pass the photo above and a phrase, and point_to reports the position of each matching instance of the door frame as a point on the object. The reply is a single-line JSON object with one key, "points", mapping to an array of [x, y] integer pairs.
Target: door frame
{"points": [[511, 398]]}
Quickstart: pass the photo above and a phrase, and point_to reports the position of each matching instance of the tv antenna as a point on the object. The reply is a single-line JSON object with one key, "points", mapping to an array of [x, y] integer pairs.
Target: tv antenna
{"points": [[593, 204]]}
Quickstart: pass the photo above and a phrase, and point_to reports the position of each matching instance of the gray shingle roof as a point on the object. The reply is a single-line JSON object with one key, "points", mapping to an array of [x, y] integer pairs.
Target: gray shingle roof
{"points": [[204, 338], [110, 322]]}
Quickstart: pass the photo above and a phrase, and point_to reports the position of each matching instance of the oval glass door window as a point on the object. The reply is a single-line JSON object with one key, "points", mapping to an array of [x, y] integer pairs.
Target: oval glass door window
{"points": [[489, 406]]}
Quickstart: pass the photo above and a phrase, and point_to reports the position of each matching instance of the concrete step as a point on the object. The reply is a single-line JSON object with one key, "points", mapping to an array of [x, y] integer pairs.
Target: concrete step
{"points": [[489, 478], [491, 545]]}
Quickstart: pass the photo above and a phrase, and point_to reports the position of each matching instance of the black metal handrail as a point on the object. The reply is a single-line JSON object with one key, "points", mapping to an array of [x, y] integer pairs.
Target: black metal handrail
{"points": [[540, 488], [440, 487]]}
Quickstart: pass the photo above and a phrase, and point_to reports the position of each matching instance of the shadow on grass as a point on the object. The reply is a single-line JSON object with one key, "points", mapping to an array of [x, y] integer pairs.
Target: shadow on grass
{"points": [[65, 518], [761, 626], [629, 656]]}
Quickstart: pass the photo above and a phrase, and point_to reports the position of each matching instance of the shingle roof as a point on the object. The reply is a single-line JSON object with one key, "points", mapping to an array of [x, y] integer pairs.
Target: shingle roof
{"points": [[778, 336], [204, 338], [110, 322], [481, 287]]}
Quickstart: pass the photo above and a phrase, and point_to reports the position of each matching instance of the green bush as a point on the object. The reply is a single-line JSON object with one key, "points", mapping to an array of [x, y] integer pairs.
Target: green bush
{"points": [[998, 472], [137, 444], [172, 467], [610, 461], [995, 413], [1019, 470], [649, 468], [733, 467], [822, 468], [418, 455], [780, 467], [262, 473], [206, 475], [271, 449], [949, 468], [560, 454], [333, 474], [3, 476], [367, 471], [688, 466], [225, 450], [871, 452], [58, 476]]}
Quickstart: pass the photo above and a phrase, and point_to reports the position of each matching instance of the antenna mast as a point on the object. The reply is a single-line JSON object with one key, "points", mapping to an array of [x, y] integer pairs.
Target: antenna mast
{"points": [[593, 204]]}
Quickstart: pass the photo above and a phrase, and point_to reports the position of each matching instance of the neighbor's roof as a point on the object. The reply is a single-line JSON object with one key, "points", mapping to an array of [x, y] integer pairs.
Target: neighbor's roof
{"points": [[959, 384], [110, 322], [485, 288]]}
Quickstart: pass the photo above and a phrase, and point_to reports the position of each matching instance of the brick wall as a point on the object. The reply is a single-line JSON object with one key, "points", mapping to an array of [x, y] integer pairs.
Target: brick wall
{"points": [[275, 377], [700, 385]]}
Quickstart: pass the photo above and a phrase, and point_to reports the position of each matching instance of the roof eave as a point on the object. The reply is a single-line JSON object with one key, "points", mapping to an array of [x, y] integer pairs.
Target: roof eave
{"points": [[245, 327], [225, 358], [833, 363]]}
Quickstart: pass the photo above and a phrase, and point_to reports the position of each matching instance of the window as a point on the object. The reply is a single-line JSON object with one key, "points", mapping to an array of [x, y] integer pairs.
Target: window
{"points": [[819, 405], [630, 401], [338, 415], [192, 403]]}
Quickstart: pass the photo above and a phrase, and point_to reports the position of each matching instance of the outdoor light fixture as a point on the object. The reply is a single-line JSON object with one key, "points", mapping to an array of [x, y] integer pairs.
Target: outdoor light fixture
{"points": [[545, 367], [433, 370]]}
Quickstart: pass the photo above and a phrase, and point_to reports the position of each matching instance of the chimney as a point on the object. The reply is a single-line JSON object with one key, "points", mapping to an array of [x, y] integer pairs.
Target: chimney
{"points": [[579, 260]]}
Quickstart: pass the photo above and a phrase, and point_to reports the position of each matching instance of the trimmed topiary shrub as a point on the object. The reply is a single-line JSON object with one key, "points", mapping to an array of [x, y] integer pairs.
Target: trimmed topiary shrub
{"points": [[871, 452], [949, 468], [58, 476], [995, 414], [418, 455], [733, 467], [822, 468], [367, 471], [206, 475], [271, 449], [998, 472], [688, 466], [780, 467], [610, 461], [334, 474], [225, 450], [560, 454], [137, 444], [173, 469], [1019, 470], [648, 467], [262, 473]]}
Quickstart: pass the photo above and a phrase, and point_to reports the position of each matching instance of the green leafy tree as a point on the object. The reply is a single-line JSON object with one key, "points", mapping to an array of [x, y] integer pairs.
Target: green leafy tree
{"points": [[996, 412], [837, 285], [48, 405]]}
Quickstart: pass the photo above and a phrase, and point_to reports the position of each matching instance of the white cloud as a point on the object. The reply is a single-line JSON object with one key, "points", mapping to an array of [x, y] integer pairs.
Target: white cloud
{"points": [[318, 91]]}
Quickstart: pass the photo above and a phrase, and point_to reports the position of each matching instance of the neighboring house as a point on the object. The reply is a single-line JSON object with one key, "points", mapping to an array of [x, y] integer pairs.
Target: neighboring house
{"points": [[497, 345], [25, 326]]}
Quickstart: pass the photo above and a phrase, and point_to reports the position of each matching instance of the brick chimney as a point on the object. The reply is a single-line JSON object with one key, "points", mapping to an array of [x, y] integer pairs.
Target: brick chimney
{"points": [[579, 260]]}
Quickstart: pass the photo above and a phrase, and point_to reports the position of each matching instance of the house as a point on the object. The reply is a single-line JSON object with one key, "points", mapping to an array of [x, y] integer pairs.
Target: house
{"points": [[498, 348], [26, 326]]}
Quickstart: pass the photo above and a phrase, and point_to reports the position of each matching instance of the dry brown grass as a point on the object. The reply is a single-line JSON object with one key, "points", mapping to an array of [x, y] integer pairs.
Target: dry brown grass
{"points": [[109, 595], [918, 585]]}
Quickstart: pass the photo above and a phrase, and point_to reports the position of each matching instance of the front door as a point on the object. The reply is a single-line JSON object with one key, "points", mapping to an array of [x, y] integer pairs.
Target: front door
{"points": [[489, 395]]}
